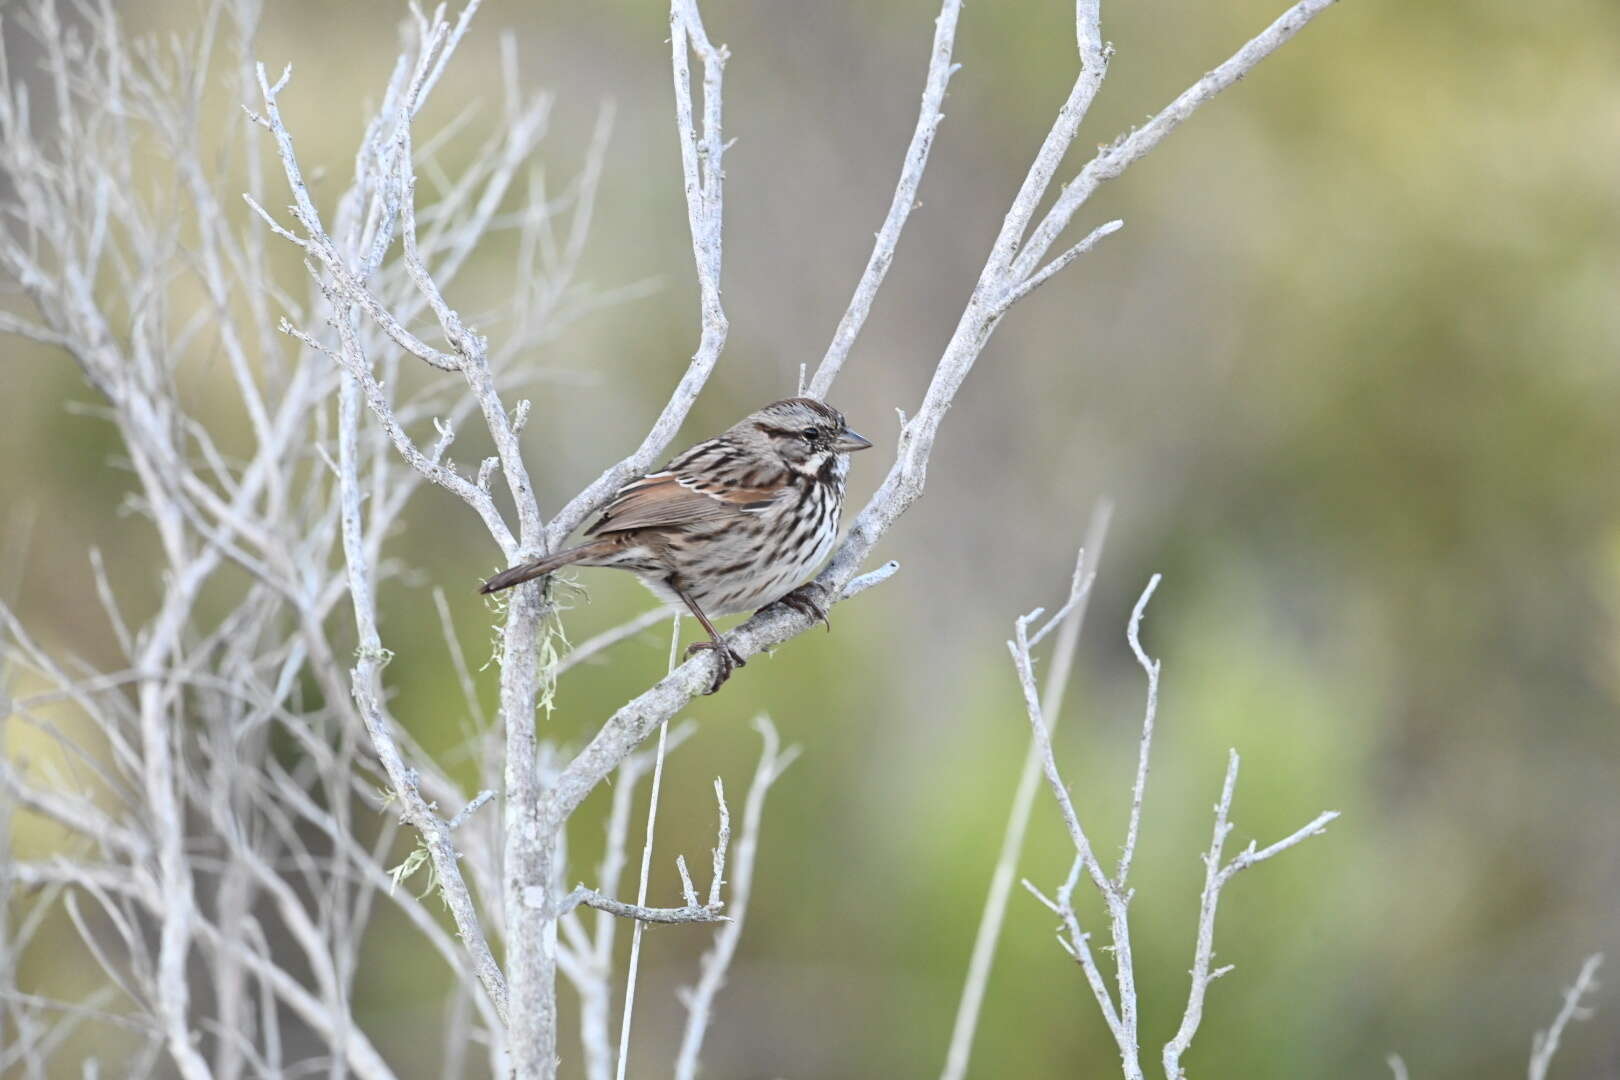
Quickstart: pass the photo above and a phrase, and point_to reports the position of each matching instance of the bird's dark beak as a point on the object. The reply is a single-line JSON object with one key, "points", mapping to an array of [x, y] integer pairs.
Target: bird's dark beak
{"points": [[848, 442]]}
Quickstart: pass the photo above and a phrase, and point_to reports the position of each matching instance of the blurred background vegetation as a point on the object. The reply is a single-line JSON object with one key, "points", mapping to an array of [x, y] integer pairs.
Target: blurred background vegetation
{"points": [[1350, 374]]}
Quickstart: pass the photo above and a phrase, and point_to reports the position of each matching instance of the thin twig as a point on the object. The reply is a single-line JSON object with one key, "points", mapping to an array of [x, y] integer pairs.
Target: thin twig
{"points": [[1051, 269], [995, 906], [1120, 1015], [704, 178], [1215, 878], [593, 647], [699, 999], [646, 868], [1545, 1044], [691, 913], [1150, 711], [1116, 158], [929, 117]]}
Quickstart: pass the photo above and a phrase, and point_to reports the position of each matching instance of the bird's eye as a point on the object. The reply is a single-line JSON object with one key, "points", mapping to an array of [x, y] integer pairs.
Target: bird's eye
{"points": [[811, 434]]}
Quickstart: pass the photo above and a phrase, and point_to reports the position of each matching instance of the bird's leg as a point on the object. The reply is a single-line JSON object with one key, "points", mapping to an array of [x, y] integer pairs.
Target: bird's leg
{"points": [[806, 601], [728, 657]]}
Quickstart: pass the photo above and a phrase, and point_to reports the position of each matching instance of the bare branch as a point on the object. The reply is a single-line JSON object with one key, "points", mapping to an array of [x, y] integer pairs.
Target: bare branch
{"points": [[1545, 1044], [625, 729], [692, 913], [478, 802], [1215, 878], [1120, 1015], [704, 177], [595, 990], [458, 660], [1069, 620], [929, 116], [699, 1000], [1125, 152], [641, 887], [11, 324], [367, 675], [592, 647], [1150, 668], [1047, 272], [646, 868], [1121, 1011], [721, 842], [427, 464]]}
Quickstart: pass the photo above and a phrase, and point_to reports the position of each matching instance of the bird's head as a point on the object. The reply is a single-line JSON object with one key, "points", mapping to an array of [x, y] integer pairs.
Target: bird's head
{"points": [[809, 436]]}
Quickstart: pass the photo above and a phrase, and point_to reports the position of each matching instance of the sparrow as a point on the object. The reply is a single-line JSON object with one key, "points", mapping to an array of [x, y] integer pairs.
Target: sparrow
{"points": [[737, 522]]}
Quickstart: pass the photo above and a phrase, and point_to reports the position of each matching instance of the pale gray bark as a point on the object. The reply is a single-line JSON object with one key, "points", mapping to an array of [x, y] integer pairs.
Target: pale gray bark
{"points": [[929, 117], [1545, 1044], [1001, 882], [700, 999], [1120, 1006]]}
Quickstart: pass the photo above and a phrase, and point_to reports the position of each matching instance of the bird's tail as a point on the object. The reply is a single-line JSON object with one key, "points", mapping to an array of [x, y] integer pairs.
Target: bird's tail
{"points": [[546, 564]]}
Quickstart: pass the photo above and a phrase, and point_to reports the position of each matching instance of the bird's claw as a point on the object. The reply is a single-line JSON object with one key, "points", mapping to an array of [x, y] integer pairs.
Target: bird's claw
{"points": [[729, 661], [805, 601]]}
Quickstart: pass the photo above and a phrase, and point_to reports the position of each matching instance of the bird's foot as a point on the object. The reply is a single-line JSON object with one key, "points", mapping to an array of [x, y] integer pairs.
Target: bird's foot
{"points": [[806, 600], [728, 658]]}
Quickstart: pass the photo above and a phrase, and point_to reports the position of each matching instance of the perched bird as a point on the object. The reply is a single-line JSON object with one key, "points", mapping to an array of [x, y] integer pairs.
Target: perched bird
{"points": [[733, 524]]}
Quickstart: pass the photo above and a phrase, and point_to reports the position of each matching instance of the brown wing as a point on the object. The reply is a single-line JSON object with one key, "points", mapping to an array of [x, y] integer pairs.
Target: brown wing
{"points": [[663, 500]]}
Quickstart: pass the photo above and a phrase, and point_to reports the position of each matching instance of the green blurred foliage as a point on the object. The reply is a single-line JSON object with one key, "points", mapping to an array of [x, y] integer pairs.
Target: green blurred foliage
{"points": [[1350, 374]]}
